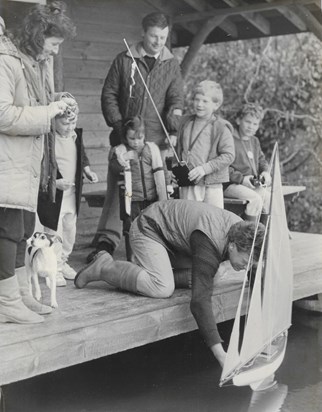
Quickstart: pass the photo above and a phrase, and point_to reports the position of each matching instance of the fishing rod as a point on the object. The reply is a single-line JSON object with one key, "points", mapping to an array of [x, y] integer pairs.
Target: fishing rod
{"points": [[153, 104]]}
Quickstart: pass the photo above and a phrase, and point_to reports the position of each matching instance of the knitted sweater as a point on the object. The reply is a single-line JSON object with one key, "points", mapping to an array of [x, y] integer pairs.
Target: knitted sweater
{"points": [[213, 148], [249, 159]]}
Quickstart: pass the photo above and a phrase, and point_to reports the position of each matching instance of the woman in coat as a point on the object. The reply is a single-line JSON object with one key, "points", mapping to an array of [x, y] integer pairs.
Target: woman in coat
{"points": [[27, 161]]}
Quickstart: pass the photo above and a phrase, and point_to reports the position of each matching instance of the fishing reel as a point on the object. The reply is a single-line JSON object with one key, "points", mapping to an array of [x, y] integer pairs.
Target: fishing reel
{"points": [[181, 172], [257, 181]]}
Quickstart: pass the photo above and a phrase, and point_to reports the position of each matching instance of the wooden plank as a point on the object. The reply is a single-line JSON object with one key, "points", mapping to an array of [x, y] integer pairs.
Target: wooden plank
{"points": [[96, 138], [249, 8], [108, 33], [92, 121], [84, 87], [96, 198], [86, 69], [307, 254], [95, 322], [83, 50], [89, 104]]}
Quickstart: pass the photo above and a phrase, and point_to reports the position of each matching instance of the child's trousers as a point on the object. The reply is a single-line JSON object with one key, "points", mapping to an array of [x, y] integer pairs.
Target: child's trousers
{"points": [[258, 198], [212, 195]]}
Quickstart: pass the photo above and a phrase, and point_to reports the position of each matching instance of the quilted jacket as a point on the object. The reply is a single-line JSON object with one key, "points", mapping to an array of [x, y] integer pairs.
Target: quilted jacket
{"points": [[124, 94]]}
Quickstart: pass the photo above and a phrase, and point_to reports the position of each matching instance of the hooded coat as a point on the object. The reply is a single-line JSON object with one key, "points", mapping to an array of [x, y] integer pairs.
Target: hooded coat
{"points": [[24, 119]]}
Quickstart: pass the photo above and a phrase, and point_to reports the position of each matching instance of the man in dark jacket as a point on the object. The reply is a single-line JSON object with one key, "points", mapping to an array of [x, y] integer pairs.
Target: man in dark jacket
{"points": [[124, 95]]}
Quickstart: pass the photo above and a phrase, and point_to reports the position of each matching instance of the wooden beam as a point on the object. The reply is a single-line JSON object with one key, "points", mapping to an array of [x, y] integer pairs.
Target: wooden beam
{"points": [[291, 16], [198, 41], [309, 20], [255, 19], [251, 8], [202, 5]]}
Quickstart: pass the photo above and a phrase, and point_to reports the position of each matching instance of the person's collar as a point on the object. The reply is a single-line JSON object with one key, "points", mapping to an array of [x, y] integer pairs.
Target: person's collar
{"points": [[237, 135], [144, 53], [137, 52], [72, 135]]}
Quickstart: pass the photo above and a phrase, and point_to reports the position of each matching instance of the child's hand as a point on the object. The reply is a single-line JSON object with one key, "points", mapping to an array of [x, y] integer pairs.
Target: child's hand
{"points": [[173, 140], [91, 176], [170, 190], [246, 182], [196, 174], [267, 178], [130, 155], [63, 184]]}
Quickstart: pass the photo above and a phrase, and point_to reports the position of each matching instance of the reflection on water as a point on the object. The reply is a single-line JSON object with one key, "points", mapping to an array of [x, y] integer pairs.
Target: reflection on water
{"points": [[178, 374], [270, 400]]}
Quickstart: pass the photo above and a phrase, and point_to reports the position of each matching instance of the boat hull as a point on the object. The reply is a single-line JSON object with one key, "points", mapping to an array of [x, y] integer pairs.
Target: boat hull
{"points": [[263, 366]]}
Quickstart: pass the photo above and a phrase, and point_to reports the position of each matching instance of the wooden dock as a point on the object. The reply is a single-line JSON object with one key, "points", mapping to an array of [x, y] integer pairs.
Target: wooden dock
{"points": [[92, 323]]}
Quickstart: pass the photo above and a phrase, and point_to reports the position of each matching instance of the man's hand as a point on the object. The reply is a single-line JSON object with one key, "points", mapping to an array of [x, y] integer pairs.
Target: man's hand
{"points": [[196, 174], [219, 353], [63, 184], [246, 182]]}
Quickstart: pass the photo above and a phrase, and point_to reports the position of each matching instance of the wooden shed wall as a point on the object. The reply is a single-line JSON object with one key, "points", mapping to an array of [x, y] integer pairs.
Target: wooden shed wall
{"points": [[101, 27]]}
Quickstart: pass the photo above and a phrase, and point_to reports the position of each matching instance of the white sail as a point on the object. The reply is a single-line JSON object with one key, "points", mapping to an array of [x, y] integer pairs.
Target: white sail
{"points": [[269, 312], [278, 286]]}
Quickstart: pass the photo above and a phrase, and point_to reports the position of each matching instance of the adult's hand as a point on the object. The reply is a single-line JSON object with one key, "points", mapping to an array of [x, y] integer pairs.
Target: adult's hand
{"points": [[219, 353], [56, 108], [246, 182]]}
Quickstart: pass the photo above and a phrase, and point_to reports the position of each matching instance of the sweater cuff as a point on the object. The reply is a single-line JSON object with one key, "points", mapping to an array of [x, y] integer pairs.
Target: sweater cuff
{"points": [[207, 168]]}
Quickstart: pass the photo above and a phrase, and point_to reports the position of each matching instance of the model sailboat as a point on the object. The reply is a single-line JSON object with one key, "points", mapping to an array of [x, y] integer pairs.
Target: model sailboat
{"points": [[253, 358]]}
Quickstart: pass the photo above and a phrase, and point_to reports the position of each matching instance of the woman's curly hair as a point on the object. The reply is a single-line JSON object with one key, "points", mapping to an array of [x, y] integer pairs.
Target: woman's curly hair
{"points": [[41, 22]]}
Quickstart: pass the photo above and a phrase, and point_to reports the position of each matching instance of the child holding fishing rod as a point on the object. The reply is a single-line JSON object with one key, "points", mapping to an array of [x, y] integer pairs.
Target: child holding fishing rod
{"points": [[139, 167]]}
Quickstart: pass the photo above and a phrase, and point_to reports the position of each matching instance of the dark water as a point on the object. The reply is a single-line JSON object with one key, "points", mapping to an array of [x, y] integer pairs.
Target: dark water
{"points": [[178, 374]]}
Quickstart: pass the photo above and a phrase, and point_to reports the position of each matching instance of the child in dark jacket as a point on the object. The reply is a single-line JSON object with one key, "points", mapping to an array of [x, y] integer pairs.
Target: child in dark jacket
{"points": [[249, 173], [143, 179], [206, 144], [60, 217]]}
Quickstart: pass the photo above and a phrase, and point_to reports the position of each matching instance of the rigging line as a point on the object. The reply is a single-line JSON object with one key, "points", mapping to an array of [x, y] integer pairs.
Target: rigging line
{"points": [[152, 101]]}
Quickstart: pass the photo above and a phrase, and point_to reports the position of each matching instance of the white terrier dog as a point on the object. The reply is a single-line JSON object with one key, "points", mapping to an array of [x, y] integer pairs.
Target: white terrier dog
{"points": [[41, 260]]}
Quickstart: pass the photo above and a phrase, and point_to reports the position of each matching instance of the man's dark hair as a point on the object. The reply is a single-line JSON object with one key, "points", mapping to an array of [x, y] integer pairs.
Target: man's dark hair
{"points": [[243, 233], [155, 19]]}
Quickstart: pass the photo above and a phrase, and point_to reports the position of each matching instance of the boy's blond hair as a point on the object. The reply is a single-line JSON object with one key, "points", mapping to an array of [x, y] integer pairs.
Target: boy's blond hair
{"points": [[211, 89]]}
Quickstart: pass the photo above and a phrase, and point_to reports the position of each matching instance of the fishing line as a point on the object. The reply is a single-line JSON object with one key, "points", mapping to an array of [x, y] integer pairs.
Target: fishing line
{"points": [[152, 101]]}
